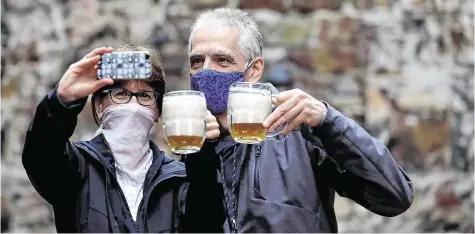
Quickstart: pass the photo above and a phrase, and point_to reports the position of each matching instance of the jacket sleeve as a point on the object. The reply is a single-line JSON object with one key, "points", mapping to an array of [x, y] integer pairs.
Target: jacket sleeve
{"points": [[203, 209], [359, 166], [50, 160]]}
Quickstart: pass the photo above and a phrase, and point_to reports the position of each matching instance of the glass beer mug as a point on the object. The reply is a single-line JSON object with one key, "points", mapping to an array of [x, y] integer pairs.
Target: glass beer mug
{"points": [[249, 104], [184, 120]]}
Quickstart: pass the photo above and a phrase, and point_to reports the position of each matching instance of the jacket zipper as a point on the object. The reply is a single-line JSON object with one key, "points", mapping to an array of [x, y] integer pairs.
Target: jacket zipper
{"points": [[149, 192], [120, 189], [257, 166], [121, 193]]}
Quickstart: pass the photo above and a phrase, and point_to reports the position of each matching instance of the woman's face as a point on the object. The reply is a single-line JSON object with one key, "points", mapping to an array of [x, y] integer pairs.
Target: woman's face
{"points": [[133, 86]]}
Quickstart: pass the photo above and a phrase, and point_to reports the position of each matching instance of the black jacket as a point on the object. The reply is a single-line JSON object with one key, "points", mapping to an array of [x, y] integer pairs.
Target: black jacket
{"points": [[290, 186], [78, 180]]}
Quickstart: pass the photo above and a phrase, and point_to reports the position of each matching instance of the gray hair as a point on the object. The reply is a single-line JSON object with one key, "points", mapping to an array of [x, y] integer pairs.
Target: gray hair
{"points": [[250, 40]]}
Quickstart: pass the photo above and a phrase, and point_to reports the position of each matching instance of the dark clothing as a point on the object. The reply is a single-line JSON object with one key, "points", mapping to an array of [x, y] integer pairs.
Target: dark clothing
{"points": [[78, 179], [290, 186]]}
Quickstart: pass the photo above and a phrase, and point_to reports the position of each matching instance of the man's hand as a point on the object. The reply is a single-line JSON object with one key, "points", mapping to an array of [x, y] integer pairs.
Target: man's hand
{"points": [[212, 127], [295, 107]]}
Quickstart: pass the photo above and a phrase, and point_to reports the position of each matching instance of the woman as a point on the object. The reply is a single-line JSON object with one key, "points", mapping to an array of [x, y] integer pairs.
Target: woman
{"points": [[119, 181]]}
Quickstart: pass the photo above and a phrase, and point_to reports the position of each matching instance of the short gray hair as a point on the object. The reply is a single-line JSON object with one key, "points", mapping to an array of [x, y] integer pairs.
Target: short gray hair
{"points": [[250, 40]]}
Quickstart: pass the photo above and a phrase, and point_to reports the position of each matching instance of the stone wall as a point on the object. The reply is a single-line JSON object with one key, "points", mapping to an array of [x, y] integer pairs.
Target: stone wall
{"points": [[401, 68]]}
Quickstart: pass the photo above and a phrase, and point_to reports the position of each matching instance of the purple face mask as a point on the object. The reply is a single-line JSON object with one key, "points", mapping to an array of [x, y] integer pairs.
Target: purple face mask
{"points": [[215, 85]]}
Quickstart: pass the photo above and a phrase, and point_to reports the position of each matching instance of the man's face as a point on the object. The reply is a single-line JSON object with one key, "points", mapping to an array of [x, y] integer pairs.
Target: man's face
{"points": [[217, 50]]}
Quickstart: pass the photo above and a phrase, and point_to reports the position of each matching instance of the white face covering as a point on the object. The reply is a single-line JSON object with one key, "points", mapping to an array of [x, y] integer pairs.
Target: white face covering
{"points": [[126, 128]]}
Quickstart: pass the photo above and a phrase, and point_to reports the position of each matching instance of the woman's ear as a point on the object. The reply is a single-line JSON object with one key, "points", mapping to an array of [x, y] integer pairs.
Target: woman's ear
{"points": [[157, 114], [99, 109]]}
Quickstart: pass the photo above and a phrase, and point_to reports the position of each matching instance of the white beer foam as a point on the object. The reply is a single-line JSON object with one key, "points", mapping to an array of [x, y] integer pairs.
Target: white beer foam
{"points": [[249, 105], [184, 106], [184, 115], [263, 92]]}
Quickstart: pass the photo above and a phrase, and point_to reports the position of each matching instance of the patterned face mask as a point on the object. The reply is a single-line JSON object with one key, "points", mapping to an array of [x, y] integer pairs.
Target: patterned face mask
{"points": [[215, 85]]}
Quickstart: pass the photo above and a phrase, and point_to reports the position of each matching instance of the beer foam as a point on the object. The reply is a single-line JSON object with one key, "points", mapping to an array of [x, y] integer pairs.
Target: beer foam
{"points": [[250, 100], [184, 106], [249, 107], [264, 92]]}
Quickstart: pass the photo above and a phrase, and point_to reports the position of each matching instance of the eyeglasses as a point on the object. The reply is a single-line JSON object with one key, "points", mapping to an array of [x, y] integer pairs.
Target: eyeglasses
{"points": [[122, 96]]}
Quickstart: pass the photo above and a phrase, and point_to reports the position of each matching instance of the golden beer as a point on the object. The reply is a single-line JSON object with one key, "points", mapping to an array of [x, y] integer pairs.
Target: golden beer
{"points": [[249, 104], [248, 132], [184, 121], [185, 143]]}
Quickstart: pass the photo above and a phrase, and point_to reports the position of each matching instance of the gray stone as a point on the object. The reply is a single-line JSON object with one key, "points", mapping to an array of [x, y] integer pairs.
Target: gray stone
{"points": [[20, 6], [274, 54], [292, 31], [343, 207], [174, 56], [361, 211], [204, 4], [178, 9], [267, 21], [183, 27], [464, 187], [408, 226], [160, 35], [279, 75], [276, 5]]}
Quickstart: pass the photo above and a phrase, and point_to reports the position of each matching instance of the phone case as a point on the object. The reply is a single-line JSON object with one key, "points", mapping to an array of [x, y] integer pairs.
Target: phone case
{"points": [[125, 65]]}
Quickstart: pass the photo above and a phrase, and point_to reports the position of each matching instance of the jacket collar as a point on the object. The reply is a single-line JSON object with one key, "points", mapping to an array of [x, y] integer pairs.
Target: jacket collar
{"points": [[225, 142], [161, 163]]}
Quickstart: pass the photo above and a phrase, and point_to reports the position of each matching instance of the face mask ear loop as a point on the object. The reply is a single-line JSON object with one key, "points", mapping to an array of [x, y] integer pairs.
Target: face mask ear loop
{"points": [[248, 65]]}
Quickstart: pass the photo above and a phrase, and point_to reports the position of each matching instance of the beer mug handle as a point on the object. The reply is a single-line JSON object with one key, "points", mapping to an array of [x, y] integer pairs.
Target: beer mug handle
{"points": [[275, 135]]}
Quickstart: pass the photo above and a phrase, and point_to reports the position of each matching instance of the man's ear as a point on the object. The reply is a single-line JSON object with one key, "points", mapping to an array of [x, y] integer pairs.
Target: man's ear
{"points": [[255, 71]]}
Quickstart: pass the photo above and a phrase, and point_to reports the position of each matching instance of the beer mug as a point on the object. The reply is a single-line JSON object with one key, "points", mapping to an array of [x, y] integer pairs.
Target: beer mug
{"points": [[184, 120], [249, 104]]}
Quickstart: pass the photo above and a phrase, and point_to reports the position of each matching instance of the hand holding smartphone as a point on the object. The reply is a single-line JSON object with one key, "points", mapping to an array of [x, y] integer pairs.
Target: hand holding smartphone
{"points": [[125, 65], [80, 80]]}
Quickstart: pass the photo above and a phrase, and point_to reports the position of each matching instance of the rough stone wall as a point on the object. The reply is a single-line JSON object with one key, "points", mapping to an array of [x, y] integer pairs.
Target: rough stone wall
{"points": [[401, 68]]}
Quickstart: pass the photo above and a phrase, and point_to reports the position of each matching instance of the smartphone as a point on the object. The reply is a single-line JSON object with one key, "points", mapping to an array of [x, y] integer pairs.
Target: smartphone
{"points": [[125, 65]]}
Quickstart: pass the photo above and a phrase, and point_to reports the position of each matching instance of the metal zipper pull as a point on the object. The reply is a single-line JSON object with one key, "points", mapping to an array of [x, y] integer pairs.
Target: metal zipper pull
{"points": [[233, 222]]}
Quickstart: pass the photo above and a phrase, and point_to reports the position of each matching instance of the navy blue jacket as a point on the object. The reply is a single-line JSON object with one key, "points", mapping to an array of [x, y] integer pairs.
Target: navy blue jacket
{"points": [[290, 186], [78, 180]]}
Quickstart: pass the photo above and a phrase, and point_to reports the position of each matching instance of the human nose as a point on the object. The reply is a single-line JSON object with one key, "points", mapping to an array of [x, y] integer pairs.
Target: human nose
{"points": [[207, 63], [134, 99]]}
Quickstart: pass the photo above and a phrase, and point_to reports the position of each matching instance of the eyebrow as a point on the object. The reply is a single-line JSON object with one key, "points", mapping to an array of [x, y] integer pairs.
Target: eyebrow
{"points": [[119, 84], [195, 56], [229, 56], [220, 53], [124, 89]]}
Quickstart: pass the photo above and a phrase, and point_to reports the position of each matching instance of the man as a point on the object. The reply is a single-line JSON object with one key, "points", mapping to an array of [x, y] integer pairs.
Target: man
{"points": [[287, 185]]}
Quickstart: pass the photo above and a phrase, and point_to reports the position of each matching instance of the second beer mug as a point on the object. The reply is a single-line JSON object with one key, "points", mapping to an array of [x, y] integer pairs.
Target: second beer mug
{"points": [[184, 120], [249, 104]]}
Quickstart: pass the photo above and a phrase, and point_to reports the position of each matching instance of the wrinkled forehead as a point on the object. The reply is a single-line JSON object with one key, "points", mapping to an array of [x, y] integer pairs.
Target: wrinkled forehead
{"points": [[131, 85], [219, 40]]}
